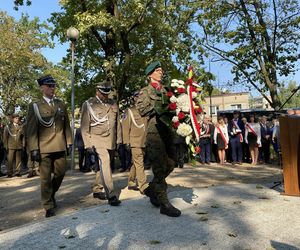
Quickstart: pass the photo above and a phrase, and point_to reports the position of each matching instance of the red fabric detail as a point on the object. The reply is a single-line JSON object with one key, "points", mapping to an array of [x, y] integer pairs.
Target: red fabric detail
{"points": [[252, 130], [222, 135], [193, 112], [181, 90], [156, 85]]}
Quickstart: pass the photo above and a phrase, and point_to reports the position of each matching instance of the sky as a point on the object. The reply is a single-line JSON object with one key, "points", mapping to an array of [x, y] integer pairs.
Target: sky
{"points": [[43, 9]]}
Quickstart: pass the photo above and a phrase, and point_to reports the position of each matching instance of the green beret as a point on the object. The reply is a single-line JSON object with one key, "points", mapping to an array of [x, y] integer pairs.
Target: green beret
{"points": [[152, 66]]}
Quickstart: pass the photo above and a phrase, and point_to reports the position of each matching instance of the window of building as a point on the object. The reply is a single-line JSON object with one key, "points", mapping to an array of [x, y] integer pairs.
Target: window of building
{"points": [[236, 106], [214, 110]]}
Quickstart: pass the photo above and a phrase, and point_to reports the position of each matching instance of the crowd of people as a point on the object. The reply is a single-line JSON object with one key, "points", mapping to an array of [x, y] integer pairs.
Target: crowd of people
{"points": [[137, 134], [239, 140]]}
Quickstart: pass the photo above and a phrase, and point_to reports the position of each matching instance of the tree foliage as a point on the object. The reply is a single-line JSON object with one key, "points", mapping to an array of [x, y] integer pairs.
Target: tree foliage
{"points": [[21, 61], [119, 38], [285, 93], [258, 37]]}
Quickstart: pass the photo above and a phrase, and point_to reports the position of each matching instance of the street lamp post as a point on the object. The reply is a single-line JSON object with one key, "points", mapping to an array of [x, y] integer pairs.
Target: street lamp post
{"points": [[73, 34], [210, 90]]}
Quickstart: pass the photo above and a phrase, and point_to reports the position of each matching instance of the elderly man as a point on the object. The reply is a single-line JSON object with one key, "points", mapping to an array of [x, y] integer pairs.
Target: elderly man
{"points": [[49, 137], [101, 132], [158, 136]]}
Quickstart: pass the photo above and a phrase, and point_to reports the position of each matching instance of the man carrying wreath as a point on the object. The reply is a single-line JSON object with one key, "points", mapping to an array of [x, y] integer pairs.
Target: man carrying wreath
{"points": [[158, 137]]}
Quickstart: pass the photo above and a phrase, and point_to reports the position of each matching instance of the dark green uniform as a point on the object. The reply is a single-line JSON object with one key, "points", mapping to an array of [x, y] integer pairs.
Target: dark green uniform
{"points": [[13, 141], [158, 135], [48, 130]]}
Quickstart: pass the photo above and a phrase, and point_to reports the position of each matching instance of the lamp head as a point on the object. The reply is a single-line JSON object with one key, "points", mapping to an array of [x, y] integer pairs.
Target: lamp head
{"points": [[72, 34]]}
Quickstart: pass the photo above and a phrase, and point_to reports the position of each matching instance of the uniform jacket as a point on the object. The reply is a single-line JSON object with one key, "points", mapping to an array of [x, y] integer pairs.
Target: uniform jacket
{"points": [[105, 134], [13, 136], [136, 125], [147, 105], [50, 139], [265, 131], [231, 127]]}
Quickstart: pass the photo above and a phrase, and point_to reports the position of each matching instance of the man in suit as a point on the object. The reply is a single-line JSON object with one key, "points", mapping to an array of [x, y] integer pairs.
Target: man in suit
{"points": [[13, 138], [235, 129], [101, 130], [49, 137], [266, 137]]}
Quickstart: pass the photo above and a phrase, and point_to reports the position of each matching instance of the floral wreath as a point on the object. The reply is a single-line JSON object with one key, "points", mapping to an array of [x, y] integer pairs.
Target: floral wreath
{"points": [[185, 101]]}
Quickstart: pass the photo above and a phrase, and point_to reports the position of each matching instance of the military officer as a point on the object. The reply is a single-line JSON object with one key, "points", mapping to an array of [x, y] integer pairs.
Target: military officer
{"points": [[49, 136], [101, 130], [136, 125], [13, 138], [158, 134], [2, 148]]}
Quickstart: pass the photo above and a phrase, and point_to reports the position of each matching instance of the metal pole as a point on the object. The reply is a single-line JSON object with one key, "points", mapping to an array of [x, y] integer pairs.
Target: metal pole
{"points": [[210, 105], [73, 109]]}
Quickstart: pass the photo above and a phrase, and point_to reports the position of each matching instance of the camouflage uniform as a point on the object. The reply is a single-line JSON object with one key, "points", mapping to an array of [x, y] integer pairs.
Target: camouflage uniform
{"points": [[148, 104]]}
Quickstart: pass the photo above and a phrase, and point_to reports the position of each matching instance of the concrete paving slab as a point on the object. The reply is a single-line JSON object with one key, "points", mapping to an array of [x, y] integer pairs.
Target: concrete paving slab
{"points": [[244, 216]]}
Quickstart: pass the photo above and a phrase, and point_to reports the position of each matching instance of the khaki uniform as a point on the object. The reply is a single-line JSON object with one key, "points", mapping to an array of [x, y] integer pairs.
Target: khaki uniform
{"points": [[136, 125], [157, 138], [100, 128], [48, 129], [13, 139]]}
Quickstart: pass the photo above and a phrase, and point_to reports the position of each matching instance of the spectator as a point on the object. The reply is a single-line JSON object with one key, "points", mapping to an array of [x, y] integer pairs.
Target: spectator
{"points": [[205, 143], [228, 157], [253, 138], [213, 148], [221, 138], [246, 151], [275, 131], [265, 131], [235, 129], [79, 144], [2, 148]]}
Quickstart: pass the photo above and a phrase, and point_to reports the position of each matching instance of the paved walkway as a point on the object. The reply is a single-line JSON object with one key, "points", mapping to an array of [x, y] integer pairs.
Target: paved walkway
{"points": [[235, 216]]}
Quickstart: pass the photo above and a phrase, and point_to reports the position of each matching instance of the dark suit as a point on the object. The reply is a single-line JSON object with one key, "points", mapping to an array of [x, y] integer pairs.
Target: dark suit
{"points": [[264, 151], [236, 138]]}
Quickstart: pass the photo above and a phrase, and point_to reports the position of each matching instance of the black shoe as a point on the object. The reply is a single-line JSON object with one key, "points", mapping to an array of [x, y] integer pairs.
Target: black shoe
{"points": [[240, 163], [9, 176], [1, 174], [18, 175], [233, 162], [169, 210], [31, 174], [135, 188], [152, 195], [208, 163], [180, 165], [99, 195], [114, 201], [50, 212]]}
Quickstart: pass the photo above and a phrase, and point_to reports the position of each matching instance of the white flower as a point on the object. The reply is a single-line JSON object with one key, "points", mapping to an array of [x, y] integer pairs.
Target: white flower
{"points": [[177, 111], [184, 129], [183, 103], [187, 140], [173, 99], [175, 119], [180, 82], [174, 84], [174, 80]]}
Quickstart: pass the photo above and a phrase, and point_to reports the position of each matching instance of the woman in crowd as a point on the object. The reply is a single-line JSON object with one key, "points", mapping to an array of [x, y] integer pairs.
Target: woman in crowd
{"points": [[253, 138], [221, 138]]}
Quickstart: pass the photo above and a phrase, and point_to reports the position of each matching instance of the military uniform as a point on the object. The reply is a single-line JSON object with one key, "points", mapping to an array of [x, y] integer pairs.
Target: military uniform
{"points": [[157, 135], [100, 128], [13, 138], [49, 135], [136, 125]]}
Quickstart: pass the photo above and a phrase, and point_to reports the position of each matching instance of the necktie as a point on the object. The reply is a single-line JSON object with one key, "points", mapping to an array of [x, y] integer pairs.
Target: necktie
{"points": [[51, 103]]}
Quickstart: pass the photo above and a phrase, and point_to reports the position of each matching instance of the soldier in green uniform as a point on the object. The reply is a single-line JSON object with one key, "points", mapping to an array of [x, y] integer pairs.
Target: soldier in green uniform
{"points": [[13, 138], [136, 128], [49, 136], [158, 135], [2, 148], [101, 132]]}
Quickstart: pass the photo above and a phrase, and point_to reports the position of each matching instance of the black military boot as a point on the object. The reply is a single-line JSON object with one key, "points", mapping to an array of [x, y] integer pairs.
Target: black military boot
{"points": [[114, 201], [167, 209], [152, 195]]}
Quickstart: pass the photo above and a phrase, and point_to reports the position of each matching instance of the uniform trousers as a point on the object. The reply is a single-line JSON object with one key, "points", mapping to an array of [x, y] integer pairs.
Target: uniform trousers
{"points": [[236, 149], [104, 176], [14, 154], [137, 169], [51, 163]]}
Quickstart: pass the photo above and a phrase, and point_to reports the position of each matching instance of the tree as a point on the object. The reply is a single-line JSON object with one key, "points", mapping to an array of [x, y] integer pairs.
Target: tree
{"points": [[118, 38], [286, 92], [259, 38], [21, 61]]}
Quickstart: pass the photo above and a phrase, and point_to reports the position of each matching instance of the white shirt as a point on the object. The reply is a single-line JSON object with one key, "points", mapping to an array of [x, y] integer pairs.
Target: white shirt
{"points": [[48, 100]]}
